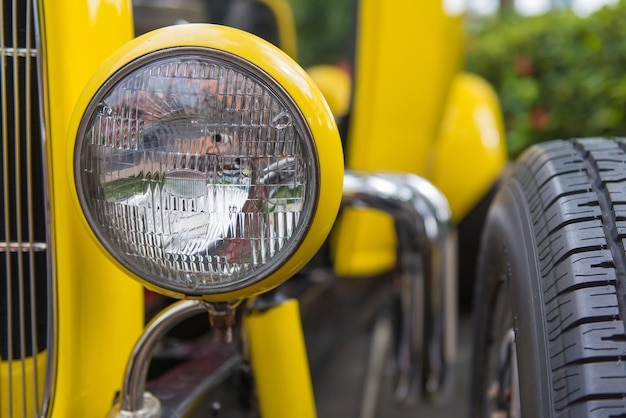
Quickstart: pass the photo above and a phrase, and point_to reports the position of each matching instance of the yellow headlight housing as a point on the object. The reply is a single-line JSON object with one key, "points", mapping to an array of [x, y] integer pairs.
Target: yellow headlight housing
{"points": [[206, 162]]}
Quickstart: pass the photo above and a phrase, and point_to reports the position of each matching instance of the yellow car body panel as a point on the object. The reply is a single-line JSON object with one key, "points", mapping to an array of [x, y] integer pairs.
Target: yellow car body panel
{"points": [[470, 151], [363, 243], [99, 308], [403, 99], [335, 85], [400, 88], [278, 357]]}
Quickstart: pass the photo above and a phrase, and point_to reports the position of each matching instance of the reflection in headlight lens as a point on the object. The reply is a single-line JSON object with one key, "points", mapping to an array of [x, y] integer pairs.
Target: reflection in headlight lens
{"points": [[196, 172]]}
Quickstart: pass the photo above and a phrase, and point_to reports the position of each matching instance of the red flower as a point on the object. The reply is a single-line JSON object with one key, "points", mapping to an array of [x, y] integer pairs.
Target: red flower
{"points": [[539, 118], [524, 66]]}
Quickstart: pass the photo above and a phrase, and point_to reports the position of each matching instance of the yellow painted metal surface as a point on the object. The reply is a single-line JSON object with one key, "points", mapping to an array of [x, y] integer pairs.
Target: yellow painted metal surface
{"points": [[22, 377], [279, 362], [296, 83], [335, 85], [363, 243], [406, 57], [470, 151], [99, 309]]}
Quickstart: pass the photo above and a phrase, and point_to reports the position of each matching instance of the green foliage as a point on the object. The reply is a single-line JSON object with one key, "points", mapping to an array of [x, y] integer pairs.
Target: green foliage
{"points": [[324, 28], [558, 75]]}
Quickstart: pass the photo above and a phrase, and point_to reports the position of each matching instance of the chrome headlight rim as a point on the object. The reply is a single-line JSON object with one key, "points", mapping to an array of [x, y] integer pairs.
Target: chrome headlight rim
{"points": [[312, 194]]}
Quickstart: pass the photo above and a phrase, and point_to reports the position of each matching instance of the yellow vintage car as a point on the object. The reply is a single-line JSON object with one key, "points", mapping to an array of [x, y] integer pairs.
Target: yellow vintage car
{"points": [[204, 164]]}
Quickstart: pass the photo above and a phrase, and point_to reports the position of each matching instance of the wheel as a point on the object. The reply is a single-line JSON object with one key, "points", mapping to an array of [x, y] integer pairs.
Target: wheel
{"points": [[549, 300]]}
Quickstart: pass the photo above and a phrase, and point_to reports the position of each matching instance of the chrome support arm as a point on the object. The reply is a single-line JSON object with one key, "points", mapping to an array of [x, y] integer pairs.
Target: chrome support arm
{"points": [[426, 269], [135, 402]]}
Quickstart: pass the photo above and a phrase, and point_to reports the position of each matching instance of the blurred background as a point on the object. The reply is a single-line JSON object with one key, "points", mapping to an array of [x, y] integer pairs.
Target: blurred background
{"points": [[557, 65]]}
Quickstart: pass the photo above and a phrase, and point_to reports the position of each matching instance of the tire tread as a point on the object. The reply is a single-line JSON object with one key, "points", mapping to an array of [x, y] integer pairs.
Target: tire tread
{"points": [[576, 192]]}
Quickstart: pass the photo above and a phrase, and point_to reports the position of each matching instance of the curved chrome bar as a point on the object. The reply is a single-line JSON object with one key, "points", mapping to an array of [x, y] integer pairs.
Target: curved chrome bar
{"points": [[426, 268], [137, 367]]}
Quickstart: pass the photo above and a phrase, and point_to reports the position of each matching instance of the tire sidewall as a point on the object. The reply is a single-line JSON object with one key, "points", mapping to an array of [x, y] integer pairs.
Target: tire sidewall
{"points": [[509, 251]]}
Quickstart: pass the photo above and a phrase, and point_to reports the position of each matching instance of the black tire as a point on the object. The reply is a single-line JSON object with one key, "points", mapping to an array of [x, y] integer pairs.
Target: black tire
{"points": [[552, 269]]}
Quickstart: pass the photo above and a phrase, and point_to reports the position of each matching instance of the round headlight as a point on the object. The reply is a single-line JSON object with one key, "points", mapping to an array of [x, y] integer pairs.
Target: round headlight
{"points": [[196, 170]]}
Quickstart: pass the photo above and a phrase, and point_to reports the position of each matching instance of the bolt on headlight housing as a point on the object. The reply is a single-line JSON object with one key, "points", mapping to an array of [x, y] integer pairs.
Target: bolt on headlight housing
{"points": [[197, 170]]}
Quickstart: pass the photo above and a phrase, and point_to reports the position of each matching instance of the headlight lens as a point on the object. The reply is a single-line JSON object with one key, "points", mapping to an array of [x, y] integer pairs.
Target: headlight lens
{"points": [[196, 171]]}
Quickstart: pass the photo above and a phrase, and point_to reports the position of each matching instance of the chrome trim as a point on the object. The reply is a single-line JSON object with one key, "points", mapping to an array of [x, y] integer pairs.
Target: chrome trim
{"points": [[426, 272], [133, 389], [51, 363], [22, 247], [6, 220], [18, 52], [23, 56]]}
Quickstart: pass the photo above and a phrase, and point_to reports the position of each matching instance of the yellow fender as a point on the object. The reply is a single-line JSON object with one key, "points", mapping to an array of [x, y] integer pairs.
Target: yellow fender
{"points": [[470, 151]]}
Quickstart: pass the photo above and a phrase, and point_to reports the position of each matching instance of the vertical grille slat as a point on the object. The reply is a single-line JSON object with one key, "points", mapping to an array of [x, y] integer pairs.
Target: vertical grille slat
{"points": [[29, 193], [24, 255], [18, 203], [7, 222]]}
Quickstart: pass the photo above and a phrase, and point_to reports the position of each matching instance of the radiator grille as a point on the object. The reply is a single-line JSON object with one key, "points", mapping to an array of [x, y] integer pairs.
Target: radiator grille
{"points": [[23, 249]]}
